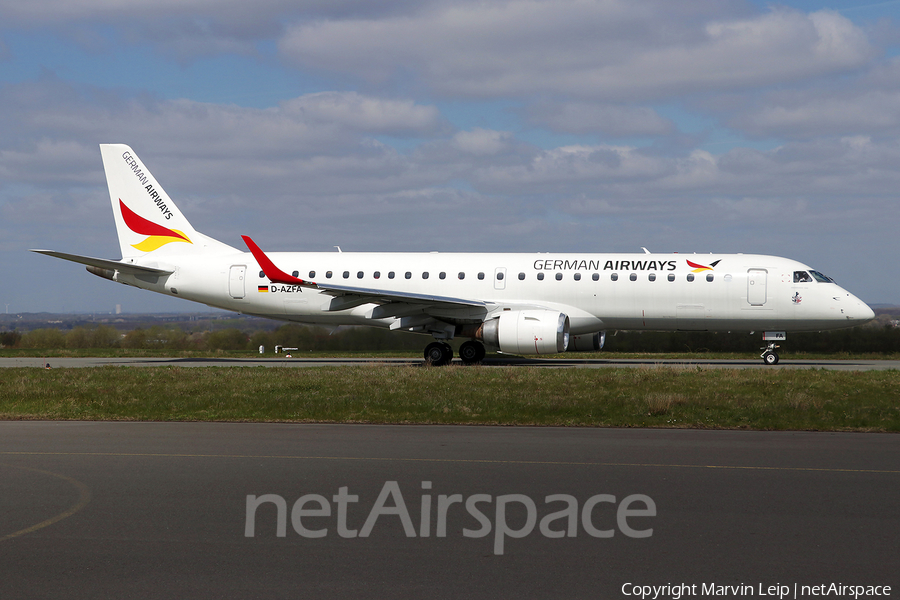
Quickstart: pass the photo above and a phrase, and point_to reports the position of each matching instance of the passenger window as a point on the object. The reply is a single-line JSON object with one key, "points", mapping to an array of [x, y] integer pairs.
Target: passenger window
{"points": [[262, 274], [614, 276], [652, 276], [540, 276], [521, 276], [390, 274], [671, 277], [312, 274], [481, 276], [633, 277], [690, 277], [559, 276], [359, 274], [577, 276], [443, 275], [408, 275], [377, 274], [461, 275], [346, 274], [710, 276], [596, 276], [425, 275], [499, 275], [295, 274], [328, 274]]}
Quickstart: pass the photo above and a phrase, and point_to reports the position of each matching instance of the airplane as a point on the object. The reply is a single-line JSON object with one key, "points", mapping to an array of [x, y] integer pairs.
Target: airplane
{"points": [[520, 304]]}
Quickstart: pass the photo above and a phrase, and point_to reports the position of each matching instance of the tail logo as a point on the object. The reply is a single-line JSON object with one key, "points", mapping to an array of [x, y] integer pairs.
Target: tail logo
{"points": [[158, 236], [697, 268]]}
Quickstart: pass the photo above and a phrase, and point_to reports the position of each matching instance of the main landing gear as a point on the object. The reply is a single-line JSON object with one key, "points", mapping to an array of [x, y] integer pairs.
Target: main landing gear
{"points": [[471, 352], [439, 354]]}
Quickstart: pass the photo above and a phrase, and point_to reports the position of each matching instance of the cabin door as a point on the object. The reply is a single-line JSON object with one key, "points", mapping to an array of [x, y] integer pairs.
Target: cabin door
{"points": [[756, 287]]}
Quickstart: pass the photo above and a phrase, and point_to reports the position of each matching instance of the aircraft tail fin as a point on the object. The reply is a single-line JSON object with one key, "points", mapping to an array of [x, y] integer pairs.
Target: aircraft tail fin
{"points": [[147, 220]]}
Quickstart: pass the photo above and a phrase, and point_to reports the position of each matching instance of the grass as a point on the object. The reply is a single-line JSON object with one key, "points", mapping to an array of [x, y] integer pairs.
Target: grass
{"points": [[645, 397], [604, 355], [165, 353]]}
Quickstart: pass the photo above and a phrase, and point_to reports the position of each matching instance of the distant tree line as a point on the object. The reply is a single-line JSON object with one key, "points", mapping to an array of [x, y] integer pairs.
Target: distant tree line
{"points": [[879, 337], [859, 340], [230, 339]]}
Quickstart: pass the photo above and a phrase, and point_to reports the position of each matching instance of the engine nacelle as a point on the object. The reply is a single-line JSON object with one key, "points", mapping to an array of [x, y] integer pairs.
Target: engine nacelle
{"points": [[589, 342], [527, 332]]}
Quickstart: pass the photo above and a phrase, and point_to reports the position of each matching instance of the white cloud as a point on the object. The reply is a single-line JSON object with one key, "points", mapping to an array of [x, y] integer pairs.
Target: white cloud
{"points": [[811, 114], [609, 119], [611, 50], [315, 124], [365, 113], [481, 142], [233, 12], [184, 29]]}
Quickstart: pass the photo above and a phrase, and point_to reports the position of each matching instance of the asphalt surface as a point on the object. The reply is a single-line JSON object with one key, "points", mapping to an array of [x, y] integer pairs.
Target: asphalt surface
{"points": [[160, 510], [833, 365]]}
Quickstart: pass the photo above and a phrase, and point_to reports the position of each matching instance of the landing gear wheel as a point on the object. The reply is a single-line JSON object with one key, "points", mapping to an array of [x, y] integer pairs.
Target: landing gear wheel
{"points": [[471, 352], [438, 354], [769, 355]]}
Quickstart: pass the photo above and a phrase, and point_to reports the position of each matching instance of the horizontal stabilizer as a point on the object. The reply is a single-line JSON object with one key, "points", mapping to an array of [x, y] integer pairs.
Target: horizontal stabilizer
{"points": [[103, 263]]}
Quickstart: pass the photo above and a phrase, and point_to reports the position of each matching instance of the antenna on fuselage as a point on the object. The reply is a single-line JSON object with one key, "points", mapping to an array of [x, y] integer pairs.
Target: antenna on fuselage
{"points": [[339, 248]]}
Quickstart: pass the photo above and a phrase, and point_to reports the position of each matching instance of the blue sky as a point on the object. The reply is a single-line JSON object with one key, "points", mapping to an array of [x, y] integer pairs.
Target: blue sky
{"points": [[522, 125]]}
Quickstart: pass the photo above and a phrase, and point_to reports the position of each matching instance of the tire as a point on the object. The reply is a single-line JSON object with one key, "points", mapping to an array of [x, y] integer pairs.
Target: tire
{"points": [[438, 354], [471, 352], [770, 358]]}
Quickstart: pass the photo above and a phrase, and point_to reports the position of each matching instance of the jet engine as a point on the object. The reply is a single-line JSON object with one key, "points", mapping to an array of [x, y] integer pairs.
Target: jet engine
{"points": [[589, 342], [527, 332]]}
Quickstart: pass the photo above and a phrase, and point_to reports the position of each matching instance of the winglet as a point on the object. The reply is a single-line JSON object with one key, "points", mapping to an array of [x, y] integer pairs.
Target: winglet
{"points": [[274, 274]]}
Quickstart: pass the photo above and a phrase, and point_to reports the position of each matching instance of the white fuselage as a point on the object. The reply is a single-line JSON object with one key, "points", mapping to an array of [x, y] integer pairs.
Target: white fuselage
{"points": [[741, 292]]}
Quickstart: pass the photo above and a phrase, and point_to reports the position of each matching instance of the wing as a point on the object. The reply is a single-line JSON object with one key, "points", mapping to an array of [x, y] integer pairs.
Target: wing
{"points": [[103, 263], [390, 303]]}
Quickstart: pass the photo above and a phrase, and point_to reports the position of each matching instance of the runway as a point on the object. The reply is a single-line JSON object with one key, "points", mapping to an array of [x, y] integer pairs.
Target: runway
{"points": [[589, 363], [160, 510]]}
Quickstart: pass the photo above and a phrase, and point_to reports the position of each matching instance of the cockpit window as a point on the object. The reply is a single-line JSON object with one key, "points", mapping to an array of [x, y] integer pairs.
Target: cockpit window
{"points": [[804, 277], [821, 278]]}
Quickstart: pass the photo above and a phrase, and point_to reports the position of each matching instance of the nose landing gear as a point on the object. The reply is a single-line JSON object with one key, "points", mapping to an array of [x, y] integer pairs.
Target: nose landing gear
{"points": [[769, 355]]}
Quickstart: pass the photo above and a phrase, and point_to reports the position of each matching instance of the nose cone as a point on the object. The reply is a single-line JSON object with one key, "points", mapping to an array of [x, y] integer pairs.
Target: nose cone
{"points": [[856, 310], [864, 312]]}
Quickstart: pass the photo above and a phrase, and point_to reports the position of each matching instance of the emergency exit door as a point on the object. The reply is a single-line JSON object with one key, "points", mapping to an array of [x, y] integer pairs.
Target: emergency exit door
{"points": [[500, 278], [236, 281]]}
